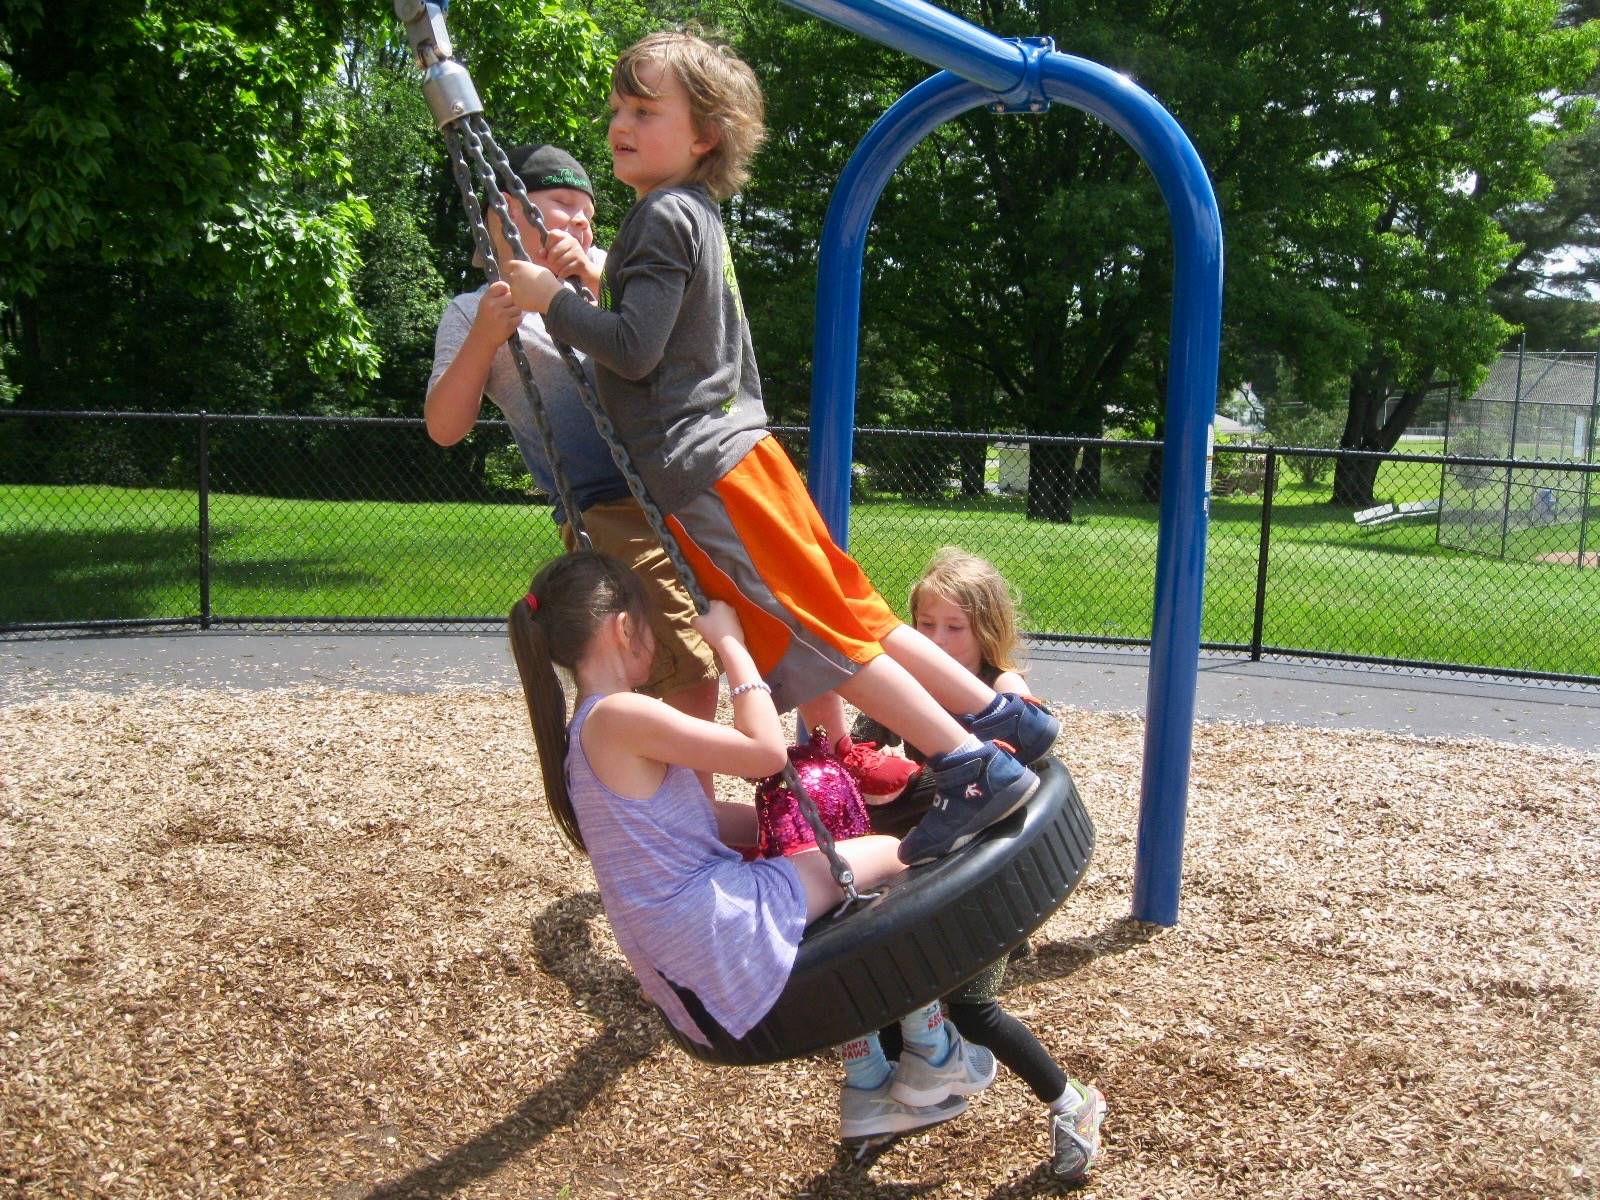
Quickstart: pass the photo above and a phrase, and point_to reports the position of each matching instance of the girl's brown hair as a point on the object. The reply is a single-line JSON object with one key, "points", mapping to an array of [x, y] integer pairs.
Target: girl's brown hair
{"points": [[974, 586], [552, 627], [725, 101]]}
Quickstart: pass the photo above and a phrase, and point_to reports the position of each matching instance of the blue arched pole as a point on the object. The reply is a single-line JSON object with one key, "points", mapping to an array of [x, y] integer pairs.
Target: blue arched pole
{"points": [[1025, 76]]}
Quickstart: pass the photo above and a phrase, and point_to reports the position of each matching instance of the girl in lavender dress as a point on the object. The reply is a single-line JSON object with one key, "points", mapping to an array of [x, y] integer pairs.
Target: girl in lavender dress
{"points": [[710, 936]]}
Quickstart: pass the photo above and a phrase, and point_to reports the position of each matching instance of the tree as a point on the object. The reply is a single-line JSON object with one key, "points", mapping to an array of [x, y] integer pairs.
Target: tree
{"points": [[1548, 287], [1450, 130], [146, 137], [1359, 157], [264, 186], [974, 289]]}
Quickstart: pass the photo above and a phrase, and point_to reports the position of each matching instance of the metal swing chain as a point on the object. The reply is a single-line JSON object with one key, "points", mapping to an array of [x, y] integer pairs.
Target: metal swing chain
{"points": [[460, 147], [455, 105]]}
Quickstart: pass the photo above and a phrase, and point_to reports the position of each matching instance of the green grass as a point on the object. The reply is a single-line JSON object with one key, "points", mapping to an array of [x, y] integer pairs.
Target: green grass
{"points": [[86, 553], [96, 553], [1391, 592]]}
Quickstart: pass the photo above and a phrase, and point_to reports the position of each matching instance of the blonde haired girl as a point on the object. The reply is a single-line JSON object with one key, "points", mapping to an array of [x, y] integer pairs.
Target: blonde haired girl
{"points": [[964, 605], [967, 608]]}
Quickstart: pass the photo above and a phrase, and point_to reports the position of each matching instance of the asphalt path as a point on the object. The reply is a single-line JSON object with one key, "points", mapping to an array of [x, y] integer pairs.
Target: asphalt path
{"points": [[1423, 704]]}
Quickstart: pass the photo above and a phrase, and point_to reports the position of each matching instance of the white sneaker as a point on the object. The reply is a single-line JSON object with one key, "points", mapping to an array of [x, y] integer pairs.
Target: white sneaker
{"points": [[965, 1071], [871, 1113]]}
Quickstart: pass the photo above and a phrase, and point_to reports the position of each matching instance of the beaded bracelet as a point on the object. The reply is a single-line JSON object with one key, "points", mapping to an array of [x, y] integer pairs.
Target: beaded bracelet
{"points": [[759, 685]]}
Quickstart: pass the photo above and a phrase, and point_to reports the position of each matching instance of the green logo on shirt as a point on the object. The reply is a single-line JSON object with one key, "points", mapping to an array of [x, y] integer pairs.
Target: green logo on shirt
{"points": [[728, 277]]}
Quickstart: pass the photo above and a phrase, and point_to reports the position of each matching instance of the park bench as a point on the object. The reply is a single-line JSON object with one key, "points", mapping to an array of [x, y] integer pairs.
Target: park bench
{"points": [[1385, 514]]}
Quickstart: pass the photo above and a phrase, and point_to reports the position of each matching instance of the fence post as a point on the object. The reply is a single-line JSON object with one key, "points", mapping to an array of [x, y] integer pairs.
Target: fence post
{"points": [[1588, 457], [1452, 397], [205, 522], [1511, 450], [1269, 485]]}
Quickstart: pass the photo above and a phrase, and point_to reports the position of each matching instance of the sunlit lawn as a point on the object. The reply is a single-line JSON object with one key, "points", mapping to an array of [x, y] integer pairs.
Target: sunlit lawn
{"points": [[82, 553]]}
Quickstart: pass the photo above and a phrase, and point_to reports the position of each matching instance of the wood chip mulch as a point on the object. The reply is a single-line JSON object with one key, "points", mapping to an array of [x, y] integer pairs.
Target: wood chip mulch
{"points": [[327, 944]]}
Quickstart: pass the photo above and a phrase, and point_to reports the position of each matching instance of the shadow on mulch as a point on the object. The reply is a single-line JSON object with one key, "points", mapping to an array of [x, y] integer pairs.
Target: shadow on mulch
{"points": [[848, 1177], [565, 950], [1057, 960]]}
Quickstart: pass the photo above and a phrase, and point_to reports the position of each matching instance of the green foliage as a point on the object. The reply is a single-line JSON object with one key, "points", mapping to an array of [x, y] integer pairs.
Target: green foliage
{"points": [[1306, 428], [176, 134], [268, 222], [1463, 104], [505, 472], [1360, 160], [543, 70], [256, 201], [397, 166]]}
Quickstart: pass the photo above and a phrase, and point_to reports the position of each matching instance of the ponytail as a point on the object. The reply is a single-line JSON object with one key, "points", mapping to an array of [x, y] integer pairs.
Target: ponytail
{"points": [[547, 712], [551, 628]]}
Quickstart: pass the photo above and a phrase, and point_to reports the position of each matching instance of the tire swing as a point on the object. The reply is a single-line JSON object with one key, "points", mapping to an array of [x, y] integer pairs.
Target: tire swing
{"points": [[932, 928], [929, 931]]}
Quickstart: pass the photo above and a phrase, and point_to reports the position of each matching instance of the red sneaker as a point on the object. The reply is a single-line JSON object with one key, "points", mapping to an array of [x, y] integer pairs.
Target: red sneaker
{"points": [[880, 776]]}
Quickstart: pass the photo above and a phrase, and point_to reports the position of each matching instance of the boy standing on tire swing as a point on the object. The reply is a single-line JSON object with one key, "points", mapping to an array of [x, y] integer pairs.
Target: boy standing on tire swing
{"points": [[472, 360], [677, 376]]}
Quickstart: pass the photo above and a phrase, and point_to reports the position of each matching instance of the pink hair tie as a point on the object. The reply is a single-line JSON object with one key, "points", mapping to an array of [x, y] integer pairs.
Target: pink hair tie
{"points": [[532, 602]]}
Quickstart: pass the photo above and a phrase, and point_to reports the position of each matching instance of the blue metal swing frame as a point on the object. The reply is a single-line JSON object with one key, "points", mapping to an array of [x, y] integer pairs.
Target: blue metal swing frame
{"points": [[1026, 75]]}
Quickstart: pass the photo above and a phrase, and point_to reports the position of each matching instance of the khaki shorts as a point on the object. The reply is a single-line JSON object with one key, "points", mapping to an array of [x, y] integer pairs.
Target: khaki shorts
{"points": [[683, 660]]}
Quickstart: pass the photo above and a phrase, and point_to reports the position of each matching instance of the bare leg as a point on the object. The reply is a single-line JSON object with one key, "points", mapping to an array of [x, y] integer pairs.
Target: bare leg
{"points": [[946, 680], [872, 859], [891, 695], [700, 701], [826, 710], [736, 823]]}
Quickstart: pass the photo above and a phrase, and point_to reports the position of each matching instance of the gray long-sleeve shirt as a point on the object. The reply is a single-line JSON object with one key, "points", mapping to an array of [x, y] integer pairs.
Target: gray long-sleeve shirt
{"points": [[673, 361]]}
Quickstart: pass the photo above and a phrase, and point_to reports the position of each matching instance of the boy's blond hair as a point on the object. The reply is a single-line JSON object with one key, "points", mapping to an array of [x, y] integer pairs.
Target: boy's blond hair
{"points": [[725, 101], [974, 586]]}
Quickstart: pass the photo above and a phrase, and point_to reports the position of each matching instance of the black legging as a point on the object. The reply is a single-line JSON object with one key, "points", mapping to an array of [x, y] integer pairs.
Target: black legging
{"points": [[986, 1024]]}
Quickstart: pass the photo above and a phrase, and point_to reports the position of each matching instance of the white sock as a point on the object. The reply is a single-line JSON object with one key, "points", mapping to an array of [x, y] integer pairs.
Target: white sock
{"points": [[967, 746], [1068, 1101]]}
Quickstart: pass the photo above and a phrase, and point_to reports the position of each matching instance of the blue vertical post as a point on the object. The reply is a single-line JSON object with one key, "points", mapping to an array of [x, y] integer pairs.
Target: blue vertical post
{"points": [[1025, 77]]}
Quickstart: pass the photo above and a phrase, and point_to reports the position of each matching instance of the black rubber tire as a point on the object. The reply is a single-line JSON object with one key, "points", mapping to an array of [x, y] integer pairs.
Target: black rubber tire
{"points": [[934, 929]]}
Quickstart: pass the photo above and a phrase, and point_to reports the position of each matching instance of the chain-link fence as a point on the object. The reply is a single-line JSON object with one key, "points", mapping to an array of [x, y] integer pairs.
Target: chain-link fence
{"points": [[1535, 411], [121, 520]]}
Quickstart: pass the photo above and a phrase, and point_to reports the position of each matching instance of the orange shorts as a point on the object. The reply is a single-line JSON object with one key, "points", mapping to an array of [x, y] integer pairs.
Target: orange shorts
{"points": [[811, 617]]}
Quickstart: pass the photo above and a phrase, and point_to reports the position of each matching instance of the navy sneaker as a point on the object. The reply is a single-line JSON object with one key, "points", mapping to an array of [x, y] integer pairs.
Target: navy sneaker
{"points": [[1021, 722], [971, 792]]}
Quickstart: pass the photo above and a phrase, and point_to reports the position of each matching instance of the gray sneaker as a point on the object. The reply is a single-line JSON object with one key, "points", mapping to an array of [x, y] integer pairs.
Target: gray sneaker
{"points": [[965, 1071], [1075, 1135], [865, 1114]]}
